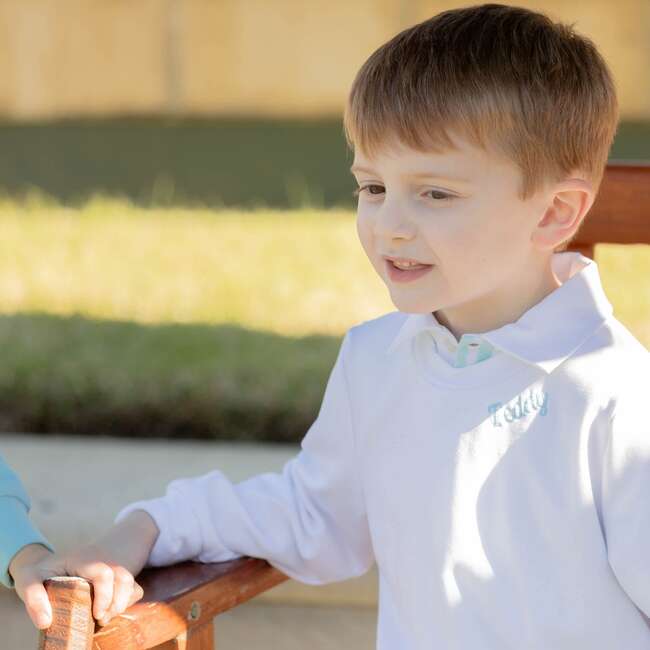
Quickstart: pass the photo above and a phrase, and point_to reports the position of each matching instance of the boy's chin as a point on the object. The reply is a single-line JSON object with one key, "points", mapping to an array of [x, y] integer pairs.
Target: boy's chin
{"points": [[413, 305]]}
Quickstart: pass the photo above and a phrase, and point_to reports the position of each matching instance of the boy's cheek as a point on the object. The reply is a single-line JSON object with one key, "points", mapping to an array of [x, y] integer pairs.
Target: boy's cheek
{"points": [[361, 229], [367, 240]]}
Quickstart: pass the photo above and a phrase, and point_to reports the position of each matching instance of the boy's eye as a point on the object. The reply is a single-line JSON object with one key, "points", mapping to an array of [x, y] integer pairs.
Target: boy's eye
{"points": [[371, 189], [437, 195]]}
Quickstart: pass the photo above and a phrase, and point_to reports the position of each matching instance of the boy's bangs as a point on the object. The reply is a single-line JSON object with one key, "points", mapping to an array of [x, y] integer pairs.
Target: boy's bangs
{"points": [[373, 121]]}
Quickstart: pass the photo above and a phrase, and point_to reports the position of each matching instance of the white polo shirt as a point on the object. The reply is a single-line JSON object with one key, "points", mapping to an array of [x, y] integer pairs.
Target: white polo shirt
{"points": [[506, 502]]}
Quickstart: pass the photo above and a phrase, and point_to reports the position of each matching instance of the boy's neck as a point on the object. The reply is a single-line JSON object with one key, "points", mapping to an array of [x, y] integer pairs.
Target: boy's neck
{"points": [[487, 315]]}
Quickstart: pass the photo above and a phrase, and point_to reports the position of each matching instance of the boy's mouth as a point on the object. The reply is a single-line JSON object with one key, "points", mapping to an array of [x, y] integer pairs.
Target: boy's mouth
{"points": [[405, 273], [405, 264]]}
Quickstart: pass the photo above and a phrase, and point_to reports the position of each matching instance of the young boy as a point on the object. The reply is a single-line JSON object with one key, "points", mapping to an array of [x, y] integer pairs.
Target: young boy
{"points": [[487, 445]]}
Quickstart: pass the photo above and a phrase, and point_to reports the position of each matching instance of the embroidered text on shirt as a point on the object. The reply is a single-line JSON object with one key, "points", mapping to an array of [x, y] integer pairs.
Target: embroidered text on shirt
{"points": [[519, 408]]}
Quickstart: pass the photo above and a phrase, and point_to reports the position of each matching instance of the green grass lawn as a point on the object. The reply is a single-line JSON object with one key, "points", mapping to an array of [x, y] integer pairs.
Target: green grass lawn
{"points": [[125, 321], [289, 272]]}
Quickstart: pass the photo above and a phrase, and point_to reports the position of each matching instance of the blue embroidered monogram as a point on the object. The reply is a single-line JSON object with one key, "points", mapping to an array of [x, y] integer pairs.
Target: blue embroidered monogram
{"points": [[519, 408]]}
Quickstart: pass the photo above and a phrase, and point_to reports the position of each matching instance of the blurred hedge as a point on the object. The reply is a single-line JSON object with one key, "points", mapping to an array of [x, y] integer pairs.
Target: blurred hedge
{"points": [[234, 162], [79, 376]]}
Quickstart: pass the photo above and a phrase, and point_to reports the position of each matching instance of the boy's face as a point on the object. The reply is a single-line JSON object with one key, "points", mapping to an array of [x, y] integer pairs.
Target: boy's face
{"points": [[457, 212]]}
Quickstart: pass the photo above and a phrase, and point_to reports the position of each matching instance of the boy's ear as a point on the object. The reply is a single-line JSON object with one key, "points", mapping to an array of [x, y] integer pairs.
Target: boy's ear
{"points": [[569, 202]]}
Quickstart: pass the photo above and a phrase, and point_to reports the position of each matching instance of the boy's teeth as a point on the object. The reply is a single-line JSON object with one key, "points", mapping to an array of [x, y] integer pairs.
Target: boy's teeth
{"points": [[408, 265]]}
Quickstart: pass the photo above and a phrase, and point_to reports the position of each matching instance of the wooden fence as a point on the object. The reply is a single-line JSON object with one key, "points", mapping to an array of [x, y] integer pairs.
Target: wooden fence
{"points": [[252, 57]]}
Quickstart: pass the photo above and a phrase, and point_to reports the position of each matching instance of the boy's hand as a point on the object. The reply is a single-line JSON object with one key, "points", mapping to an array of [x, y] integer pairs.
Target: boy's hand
{"points": [[110, 564]]}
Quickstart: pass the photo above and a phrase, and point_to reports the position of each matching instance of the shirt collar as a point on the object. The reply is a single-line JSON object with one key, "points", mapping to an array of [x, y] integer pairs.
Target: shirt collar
{"points": [[551, 330]]}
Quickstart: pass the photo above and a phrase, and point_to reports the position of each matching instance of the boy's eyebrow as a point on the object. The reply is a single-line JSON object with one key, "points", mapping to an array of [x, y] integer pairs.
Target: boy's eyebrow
{"points": [[359, 168]]}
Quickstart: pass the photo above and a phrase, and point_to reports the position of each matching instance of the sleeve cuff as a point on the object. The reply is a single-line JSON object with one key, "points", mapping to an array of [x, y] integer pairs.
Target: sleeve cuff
{"points": [[16, 532], [170, 546]]}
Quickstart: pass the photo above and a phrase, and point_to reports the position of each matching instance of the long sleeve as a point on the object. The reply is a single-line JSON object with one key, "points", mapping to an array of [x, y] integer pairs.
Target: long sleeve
{"points": [[309, 520], [626, 496], [16, 529]]}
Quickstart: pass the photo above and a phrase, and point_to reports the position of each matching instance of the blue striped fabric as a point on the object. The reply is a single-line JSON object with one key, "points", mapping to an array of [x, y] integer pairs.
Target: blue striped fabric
{"points": [[471, 348]]}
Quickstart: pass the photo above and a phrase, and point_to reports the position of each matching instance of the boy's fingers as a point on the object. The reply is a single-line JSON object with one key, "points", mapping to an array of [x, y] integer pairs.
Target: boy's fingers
{"points": [[126, 592], [33, 594], [101, 575], [123, 588], [138, 592]]}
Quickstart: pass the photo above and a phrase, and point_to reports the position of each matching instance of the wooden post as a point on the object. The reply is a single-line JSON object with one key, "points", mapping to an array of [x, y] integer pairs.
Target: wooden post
{"points": [[196, 638], [586, 249], [73, 625], [200, 637]]}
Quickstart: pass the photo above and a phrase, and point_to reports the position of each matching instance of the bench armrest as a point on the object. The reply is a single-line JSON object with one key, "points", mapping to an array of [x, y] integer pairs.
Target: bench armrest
{"points": [[178, 605]]}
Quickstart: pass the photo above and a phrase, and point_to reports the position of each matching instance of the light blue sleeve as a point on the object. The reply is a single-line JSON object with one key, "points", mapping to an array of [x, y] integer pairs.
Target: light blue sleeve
{"points": [[16, 528]]}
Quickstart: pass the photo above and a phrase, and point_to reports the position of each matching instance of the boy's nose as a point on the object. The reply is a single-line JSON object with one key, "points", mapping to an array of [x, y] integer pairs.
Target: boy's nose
{"points": [[392, 222]]}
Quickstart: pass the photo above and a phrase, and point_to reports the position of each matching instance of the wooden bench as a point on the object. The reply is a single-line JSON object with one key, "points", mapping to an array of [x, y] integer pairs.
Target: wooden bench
{"points": [[181, 601], [176, 612], [621, 212]]}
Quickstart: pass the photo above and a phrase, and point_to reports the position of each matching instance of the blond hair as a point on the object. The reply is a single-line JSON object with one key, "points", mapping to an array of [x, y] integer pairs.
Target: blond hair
{"points": [[499, 76]]}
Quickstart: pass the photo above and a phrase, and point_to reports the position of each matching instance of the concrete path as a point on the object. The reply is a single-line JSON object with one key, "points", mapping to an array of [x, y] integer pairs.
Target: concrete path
{"points": [[78, 485]]}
